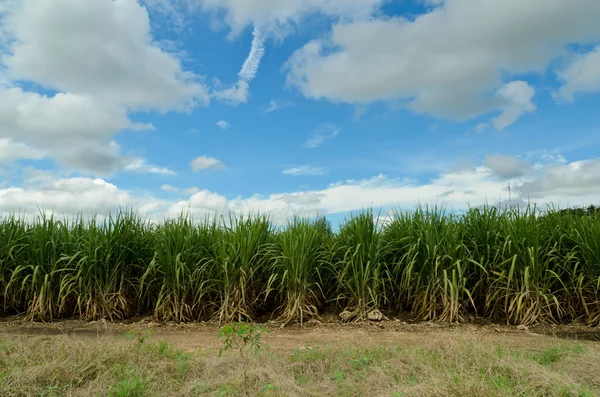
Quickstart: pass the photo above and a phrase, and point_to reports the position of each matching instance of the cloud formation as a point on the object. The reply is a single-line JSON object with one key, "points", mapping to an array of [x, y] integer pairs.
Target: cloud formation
{"points": [[277, 15], [582, 75], [252, 62], [507, 167], [324, 132], [278, 105], [573, 183], [455, 61], [98, 61], [222, 124], [304, 170], [202, 163], [239, 93]]}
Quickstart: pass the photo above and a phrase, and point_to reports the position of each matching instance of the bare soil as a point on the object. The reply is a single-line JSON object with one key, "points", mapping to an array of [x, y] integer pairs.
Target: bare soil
{"points": [[203, 336]]}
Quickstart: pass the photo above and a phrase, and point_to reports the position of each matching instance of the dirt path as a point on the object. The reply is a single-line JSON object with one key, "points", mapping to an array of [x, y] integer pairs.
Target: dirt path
{"points": [[191, 337]]}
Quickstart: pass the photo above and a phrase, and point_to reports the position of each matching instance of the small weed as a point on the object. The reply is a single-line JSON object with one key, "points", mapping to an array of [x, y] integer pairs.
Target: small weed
{"points": [[163, 348], [309, 356], [302, 379], [269, 387], [338, 376], [132, 386], [413, 380], [139, 336], [571, 391], [499, 378], [242, 337], [200, 388], [183, 363], [53, 390], [549, 356]]}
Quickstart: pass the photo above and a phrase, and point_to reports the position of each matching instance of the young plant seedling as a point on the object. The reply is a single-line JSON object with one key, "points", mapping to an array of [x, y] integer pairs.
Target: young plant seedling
{"points": [[242, 337]]}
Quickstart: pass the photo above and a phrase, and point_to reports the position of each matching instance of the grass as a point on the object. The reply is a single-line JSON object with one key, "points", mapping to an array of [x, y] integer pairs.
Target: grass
{"points": [[514, 265], [67, 366]]}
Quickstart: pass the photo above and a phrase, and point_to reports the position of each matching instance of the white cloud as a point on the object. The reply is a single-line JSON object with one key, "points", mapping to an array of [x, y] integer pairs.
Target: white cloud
{"points": [[303, 170], [11, 151], [582, 75], [74, 130], [507, 167], [169, 188], [578, 179], [222, 124], [576, 183], [239, 93], [70, 196], [324, 132], [101, 59], [449, 62], [63, 118], [275, 15], [103, 49], [518, 96], [252, 62], [199, 205], [235, 95], [278, 105], [204, 163], [140, 165]]}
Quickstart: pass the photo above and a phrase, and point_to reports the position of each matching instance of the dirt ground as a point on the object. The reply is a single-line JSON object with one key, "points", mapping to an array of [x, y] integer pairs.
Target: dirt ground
{"points": [[203, 336]]}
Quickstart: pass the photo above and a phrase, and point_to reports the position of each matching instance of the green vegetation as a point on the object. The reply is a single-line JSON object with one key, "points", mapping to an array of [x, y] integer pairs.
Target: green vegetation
{"points": [[70, 366], [519, 266], [241, 337]]}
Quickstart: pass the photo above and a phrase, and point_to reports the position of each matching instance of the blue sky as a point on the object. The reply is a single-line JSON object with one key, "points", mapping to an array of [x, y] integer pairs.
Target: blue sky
{"points": [[297, 106]]}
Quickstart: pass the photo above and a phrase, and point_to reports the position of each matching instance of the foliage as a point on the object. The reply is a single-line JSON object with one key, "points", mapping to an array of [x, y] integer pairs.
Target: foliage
{"points": [[523, 266], [241, 337]]}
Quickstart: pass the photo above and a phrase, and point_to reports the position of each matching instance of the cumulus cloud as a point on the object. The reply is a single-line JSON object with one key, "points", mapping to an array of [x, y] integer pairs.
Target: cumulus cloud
{"points": [[578, 179], [458, 189], [100, 59], [518, 96], [202, 163], [450, 62], [97, 48], [276, 15], [202, 203], [235, 95], [11, 151], [582, 75], [576, 183], [303, 170], [70, 196], [324, 132], [507, 167]]}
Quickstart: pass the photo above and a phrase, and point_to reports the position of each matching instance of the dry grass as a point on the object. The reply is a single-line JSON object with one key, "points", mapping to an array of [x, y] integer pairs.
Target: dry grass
{"points": [[142, 366]]}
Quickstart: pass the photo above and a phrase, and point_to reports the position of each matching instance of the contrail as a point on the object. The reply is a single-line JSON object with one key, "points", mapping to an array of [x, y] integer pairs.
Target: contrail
{"points": [[257, 51]]}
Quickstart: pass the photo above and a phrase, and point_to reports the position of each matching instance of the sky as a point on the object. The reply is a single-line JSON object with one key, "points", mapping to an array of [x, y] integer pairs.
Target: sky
{"points": [[297, 107]]}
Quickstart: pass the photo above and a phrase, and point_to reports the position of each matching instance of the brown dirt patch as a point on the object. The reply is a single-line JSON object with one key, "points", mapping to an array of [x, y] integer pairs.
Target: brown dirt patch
{"points": [[202, 336]]}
